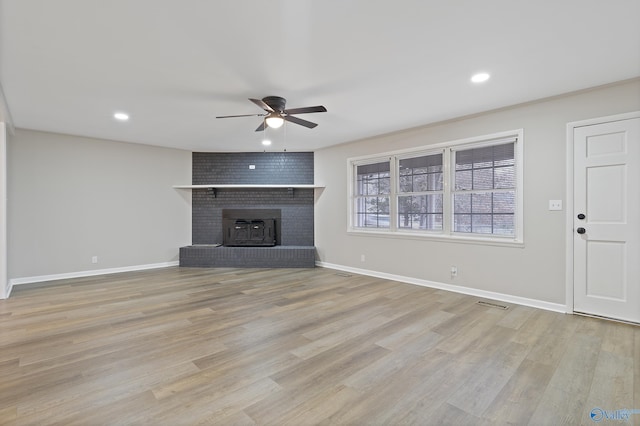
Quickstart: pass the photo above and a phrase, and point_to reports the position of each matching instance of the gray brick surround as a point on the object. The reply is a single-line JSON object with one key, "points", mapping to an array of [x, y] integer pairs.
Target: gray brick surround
{"points": [[296, 212], [278, 168], [243, 257], [296, 206]]}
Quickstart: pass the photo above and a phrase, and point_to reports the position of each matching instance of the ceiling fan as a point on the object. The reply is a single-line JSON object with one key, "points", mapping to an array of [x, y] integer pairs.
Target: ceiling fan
{"points": [[276, 114]]}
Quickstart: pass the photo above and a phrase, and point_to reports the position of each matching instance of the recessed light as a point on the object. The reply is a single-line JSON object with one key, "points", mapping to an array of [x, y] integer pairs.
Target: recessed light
{"points": [[121, 116], [266, 142], [481, 77]]}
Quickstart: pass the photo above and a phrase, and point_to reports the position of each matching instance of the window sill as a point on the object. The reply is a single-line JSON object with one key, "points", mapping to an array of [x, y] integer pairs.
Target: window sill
{"points": [[498, 242], [247, 186]]}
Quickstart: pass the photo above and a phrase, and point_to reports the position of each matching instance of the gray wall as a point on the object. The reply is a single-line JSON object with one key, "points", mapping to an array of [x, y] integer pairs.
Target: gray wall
{"points": [[536, 271], [71, 198]]}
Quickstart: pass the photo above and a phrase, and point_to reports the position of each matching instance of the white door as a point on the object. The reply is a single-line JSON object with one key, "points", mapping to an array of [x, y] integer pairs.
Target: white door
{"points": [[606, 242]]}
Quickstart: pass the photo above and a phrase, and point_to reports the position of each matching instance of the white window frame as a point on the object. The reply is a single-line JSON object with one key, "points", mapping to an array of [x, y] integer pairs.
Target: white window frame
{"points": [[354, 186], [447, 233], [396, 186]]}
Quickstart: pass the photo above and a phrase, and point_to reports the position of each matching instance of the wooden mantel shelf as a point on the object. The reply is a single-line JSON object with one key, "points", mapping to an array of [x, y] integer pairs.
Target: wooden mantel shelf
{"points": [[248, 186]]}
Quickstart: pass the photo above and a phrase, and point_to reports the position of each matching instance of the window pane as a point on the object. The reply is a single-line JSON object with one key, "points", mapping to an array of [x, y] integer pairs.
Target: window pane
{"points": [[462, 222], [483, 178], [482, 202], [434, 181], [371, 220], [462, 203], [485, 213], [368, 185], [373, 179], [412, 204], [481, 224], [407, 220], [430, 222], [434, 203], [383, 206], [464, 179], [421, 174], [504, 154], [504, 202], [372, 212], [504, 224], [384, 185], [420, 212], [371, 204], [434, 222], [406, 183], [505, 177], [488, 167], [420, 183]]}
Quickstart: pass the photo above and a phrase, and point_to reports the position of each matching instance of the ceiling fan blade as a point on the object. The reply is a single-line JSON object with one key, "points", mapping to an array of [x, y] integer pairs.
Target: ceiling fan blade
{"points": [[261, 127], [305, 110], [243, 115], [262, 104], [300, 121]]}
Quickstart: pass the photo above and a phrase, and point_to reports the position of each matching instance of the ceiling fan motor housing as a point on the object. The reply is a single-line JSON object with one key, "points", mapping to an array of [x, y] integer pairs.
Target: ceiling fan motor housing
{"points": [[275, 102]]}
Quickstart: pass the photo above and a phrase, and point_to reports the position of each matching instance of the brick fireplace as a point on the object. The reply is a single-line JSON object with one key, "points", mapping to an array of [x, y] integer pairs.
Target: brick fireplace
{"points": [[292, 209]]}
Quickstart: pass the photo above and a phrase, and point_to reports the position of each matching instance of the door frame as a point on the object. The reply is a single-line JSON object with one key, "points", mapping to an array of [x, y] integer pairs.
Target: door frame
{"points": [[570, 211], [4, 278]]}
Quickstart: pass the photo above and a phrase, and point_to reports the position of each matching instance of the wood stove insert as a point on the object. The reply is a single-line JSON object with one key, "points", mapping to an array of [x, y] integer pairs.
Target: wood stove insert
{"points": [[250, 227]]}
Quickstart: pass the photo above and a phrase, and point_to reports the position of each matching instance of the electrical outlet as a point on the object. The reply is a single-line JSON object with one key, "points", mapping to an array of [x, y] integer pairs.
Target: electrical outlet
{"points": [[94, 259], [454, 271], [555, 204], [362, 258]]}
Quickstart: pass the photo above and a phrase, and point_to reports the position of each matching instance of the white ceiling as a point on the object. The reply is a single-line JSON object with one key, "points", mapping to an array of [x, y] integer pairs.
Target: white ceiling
{"points": [[378, 66]]}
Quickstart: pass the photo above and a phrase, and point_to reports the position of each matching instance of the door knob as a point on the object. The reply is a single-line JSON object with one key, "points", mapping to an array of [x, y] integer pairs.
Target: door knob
{"points": [[581, 216], [581, 230]]}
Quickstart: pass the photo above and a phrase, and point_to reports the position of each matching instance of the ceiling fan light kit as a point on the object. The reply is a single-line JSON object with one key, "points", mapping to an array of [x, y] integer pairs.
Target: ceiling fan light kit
{"points": [[276, 114], [274, 120]]}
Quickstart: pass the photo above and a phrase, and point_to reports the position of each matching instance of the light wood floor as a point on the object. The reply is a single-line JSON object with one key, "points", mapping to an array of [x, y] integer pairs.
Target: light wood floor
{"points": [[181, 346]]}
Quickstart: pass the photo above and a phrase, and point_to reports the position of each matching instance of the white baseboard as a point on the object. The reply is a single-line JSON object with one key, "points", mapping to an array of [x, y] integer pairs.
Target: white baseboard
{"points": [[534, 303], [8, 290], [81, 274]]}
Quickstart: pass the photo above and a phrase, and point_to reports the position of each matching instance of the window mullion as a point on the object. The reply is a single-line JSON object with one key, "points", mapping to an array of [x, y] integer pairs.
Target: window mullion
{"points": [[394, 190], [447, 189]]}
